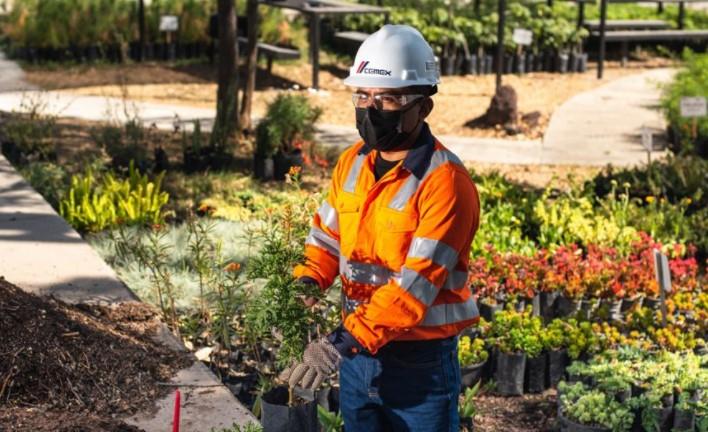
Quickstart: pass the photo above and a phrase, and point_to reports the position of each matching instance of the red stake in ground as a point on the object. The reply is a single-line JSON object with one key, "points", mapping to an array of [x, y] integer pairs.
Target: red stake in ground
{"points": [[175, 419]]}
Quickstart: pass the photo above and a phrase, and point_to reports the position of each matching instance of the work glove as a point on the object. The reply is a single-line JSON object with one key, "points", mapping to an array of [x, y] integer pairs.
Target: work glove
{"points": [[319, 360]]}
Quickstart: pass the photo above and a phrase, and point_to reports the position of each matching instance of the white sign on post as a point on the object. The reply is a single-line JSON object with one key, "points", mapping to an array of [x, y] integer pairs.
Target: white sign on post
{"points": [[169, 23], [522, 36], [647, 139], [693, 106]]}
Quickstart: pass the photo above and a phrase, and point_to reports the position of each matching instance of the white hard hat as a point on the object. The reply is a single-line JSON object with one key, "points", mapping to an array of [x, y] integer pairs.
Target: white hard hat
{"points": [[395, 56]]}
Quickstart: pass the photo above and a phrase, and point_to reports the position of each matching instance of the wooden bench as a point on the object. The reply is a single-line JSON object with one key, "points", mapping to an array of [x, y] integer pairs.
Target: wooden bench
{"points": [[612, 25], [626, 36], [350, 40], [272, 52]]}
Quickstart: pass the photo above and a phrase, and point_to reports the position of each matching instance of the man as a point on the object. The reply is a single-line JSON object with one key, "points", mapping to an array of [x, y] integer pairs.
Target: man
{"points": [[396, 227]]}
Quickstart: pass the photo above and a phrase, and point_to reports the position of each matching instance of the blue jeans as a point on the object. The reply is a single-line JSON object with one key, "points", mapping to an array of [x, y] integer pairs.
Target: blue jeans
{"points": [[406, 386]]}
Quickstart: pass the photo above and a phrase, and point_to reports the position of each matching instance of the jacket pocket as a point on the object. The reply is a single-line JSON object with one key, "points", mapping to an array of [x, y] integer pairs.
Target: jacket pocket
{"points": [[394, 233], [348, 211]]}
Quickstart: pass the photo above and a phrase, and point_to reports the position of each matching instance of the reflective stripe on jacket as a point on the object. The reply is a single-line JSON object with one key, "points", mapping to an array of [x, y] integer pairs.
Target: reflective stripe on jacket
{"points": [[400, 245]]}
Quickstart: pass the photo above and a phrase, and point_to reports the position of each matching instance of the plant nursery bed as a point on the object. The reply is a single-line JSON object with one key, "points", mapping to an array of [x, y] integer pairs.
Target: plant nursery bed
{"points": [[95, 362], [526, 413]]}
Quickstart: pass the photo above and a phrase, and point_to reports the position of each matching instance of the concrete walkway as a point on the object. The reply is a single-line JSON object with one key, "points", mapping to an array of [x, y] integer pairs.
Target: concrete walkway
{"points": [[12, 76], [603, 125], [42, 254]]}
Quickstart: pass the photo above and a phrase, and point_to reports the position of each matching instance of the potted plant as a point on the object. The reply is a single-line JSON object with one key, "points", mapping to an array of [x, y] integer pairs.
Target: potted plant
{"points": [[684, 413], [284, 411], [515, 335], [288, 123], [593, 411], [555, 342], [472, 356]]}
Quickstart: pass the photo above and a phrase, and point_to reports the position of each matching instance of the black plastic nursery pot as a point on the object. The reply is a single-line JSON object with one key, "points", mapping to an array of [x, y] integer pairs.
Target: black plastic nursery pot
{"points": [[509, 374], [613, 307], [587, 307], [488, 310], [263, 167], [535, 377], [683, 420], [535, 303], [282, 162], [558, 360], [568, 425], [472, 374], [630, 303], [277, 416], [547, 302], [652, 303], [566, 306]]}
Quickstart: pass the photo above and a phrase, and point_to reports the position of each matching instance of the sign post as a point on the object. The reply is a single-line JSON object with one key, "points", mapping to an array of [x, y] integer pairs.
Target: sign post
{"points": [[663, 277], [521, 37], [693, 107], [647, 142], [169, 24]]}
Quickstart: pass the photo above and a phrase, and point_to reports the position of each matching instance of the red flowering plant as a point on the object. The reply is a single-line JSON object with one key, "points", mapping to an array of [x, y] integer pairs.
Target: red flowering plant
{"points": [[563, 272], [597, 272], [483, 285]]}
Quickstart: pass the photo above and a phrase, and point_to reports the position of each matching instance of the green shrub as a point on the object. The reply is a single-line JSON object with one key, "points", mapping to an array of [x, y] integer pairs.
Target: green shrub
{"points": [[289, 118], [94, 204], [29, 137], [517, 332], [47, 178]]}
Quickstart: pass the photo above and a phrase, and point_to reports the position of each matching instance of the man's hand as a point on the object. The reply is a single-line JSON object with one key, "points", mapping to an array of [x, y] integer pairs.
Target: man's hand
{"points": [[320, 360], [309, 300]]}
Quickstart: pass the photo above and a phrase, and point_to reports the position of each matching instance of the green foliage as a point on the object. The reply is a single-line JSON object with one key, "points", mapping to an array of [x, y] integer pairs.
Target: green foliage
{"points": [[691, 80], [596, 408], [571, 218], [467, 408], [94, 204], [554, 336], [61, 23], [331, 422], [29, 137], [517, 332], [47, 178], [470, 353], [289, 118], [277, 312], [248, 427], [125, 144]]}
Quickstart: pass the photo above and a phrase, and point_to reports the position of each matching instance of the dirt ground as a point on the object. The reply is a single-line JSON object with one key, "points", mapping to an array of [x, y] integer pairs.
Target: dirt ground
{"points": [[76, 367], [460, 98], [528, 413]]}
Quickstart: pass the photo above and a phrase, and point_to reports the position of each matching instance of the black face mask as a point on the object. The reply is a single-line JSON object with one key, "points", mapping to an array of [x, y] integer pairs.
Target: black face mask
{"points": [[381, 130]]}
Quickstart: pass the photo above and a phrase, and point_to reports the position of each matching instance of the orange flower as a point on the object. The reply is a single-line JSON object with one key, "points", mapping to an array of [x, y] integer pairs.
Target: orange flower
{"points": [[294, 171], [156, 227], [233, 267]]}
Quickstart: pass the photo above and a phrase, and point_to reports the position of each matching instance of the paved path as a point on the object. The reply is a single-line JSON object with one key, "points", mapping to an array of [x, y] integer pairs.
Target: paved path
{"points": [[603, 125], [42, 254], [11, 76]]}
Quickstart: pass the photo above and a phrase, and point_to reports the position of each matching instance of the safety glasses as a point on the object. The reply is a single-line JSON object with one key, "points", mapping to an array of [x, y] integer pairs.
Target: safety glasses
{"points": [[384, 102]]}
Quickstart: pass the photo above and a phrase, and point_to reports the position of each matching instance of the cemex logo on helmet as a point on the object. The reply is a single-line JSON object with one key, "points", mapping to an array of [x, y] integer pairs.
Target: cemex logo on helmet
{"points": [[363, 69]]}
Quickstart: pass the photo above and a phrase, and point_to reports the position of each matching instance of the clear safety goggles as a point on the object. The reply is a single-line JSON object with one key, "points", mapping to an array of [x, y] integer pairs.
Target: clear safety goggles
{"points": [[384, 102]]}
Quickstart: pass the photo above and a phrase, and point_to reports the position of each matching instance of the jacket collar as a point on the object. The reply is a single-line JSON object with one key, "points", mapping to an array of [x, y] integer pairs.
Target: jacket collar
{"points": [[418, 158]]}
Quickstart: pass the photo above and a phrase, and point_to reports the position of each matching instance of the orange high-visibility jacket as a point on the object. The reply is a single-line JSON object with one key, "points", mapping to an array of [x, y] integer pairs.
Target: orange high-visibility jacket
{"points": [[400, 245]]}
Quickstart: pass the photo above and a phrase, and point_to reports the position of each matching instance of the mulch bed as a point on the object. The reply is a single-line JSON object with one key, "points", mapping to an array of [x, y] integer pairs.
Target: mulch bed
{"points": [[57, 359], [528, 413]]}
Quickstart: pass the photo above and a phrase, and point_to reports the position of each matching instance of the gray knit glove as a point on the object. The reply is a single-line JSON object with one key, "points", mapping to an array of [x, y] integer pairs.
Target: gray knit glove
{"points": [[319, 360]]}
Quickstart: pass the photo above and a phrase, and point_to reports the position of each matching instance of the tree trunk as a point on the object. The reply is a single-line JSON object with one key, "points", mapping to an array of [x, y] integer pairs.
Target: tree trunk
{"points": [[226, 123], [251, 65]]}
